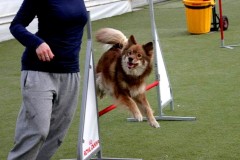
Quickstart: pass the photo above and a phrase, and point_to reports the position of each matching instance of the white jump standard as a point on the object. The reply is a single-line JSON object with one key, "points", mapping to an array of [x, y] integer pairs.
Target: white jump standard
{"points": [[89, 143], [164, 90]]}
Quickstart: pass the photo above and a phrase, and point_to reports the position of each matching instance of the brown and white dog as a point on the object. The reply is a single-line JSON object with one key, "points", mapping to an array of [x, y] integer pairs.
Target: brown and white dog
{"points": [[122, 70]]}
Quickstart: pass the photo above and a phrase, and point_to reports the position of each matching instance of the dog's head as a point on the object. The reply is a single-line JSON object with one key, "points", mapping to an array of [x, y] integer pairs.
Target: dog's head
{"points": [[136, 58]]}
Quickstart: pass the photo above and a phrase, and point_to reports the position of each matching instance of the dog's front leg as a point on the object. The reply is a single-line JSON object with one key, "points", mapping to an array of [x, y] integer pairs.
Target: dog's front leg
{"points": [[145, 107], [131, 104]]}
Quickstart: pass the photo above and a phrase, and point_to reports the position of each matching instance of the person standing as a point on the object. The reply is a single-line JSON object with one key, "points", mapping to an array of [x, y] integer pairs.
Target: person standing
{"points": [[50, 74]]}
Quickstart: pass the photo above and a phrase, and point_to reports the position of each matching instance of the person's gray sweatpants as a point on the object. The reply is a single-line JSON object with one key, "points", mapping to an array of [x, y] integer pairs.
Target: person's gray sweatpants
{"points": [[49, 103]]}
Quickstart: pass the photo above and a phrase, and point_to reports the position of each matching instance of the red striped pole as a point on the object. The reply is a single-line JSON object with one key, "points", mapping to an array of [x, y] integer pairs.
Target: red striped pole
{"points": [[107, 109], [111, 107], [221, 22], [150, 86]]}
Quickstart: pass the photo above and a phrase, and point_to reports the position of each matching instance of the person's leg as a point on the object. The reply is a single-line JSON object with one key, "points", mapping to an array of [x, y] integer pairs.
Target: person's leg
{"points": [[34, 118], [64, 106]]}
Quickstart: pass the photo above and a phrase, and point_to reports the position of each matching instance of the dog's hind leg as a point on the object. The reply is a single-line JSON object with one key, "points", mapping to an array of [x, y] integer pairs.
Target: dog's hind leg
{"points": [[99, 85], [145, 108], [132, 106]]}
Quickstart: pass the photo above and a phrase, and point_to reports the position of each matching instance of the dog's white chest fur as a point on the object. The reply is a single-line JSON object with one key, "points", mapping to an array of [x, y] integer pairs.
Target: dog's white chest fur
{"points": [[136, 91]]}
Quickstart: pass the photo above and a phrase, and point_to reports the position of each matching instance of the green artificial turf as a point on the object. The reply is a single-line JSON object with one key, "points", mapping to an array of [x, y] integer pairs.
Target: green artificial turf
{"points": [[204, 78]]}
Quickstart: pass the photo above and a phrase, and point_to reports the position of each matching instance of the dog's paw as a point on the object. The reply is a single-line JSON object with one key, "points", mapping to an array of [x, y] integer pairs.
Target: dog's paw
{"points": [[100, 94], [138, 116], [154, 123]]}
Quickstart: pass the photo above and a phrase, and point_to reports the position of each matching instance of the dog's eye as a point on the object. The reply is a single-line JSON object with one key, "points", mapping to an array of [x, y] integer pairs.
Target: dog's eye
{"points": [[129, 52], [139, 55]]}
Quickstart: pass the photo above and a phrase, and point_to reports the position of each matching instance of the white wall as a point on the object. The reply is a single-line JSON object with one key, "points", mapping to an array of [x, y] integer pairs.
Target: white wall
{"points": [[8, 9], [139, 3]]}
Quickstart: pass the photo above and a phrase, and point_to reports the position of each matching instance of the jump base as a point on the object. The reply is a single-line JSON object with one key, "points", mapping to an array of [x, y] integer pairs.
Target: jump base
{"points": [[114, 159], [166, 118], [105, 158]]}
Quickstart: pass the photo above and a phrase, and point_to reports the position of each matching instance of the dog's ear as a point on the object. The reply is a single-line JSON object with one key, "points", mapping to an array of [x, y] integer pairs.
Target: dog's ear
{"points": [[131, 40], [148, 47]]}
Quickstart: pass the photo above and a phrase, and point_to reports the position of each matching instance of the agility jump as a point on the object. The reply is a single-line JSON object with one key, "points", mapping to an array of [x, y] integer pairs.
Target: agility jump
{"points": [[89, 143]]}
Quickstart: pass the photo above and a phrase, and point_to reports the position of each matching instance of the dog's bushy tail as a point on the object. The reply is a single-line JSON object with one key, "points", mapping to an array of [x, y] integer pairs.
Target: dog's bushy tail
{"points": [[111, 36]]}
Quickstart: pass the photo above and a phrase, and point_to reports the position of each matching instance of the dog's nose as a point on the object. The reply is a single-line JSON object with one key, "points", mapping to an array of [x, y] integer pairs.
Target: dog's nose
{"points": [[130, 59]]}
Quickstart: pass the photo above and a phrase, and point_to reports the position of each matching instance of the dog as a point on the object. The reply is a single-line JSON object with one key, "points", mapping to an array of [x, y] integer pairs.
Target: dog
{"points": [[121, 72]]}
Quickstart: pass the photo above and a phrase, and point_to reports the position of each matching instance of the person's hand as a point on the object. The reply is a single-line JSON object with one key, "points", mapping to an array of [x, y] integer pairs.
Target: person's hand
{"points": [[44, 52]]}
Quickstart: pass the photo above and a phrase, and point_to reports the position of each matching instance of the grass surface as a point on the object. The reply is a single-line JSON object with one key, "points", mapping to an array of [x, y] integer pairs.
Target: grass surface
{"points": [[204, 78]]}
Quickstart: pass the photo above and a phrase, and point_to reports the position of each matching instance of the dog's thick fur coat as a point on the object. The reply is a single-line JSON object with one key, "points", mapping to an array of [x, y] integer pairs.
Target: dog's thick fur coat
{"points": [[122, 70]]}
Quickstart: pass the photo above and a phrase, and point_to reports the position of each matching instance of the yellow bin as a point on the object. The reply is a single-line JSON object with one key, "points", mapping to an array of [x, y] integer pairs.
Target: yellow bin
{"points": [[199, 15]]}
